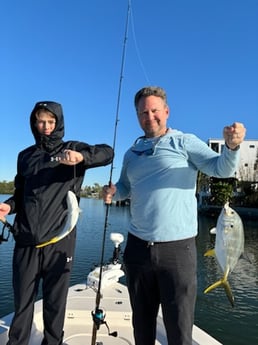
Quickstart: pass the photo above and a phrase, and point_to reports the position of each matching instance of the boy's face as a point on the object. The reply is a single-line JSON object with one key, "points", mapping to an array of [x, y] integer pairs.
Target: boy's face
{"points": [[45, 122]]}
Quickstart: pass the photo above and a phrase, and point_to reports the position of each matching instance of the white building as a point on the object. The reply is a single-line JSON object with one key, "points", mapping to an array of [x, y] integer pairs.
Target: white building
{"points": [[248, 165]]}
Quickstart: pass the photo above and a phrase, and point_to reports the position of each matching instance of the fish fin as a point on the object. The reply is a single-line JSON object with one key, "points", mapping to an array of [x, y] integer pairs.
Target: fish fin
{"points": [[210, 252], [225, 284], [213, 231]]}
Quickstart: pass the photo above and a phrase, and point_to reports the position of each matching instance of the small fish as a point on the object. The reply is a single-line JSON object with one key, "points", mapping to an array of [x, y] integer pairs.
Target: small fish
{"points": [[229, 246], [73, 212]]}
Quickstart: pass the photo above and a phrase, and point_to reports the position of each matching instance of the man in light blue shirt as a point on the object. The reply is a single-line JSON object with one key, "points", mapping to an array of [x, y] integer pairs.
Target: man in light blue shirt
{"points": [[159, 176]]}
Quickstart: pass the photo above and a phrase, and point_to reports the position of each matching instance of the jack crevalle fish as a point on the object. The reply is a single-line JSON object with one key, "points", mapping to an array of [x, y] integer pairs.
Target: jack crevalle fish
{"points": [[73, 212], [229, 246]]}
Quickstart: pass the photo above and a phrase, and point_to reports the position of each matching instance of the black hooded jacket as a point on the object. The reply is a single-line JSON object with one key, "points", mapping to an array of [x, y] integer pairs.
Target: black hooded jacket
{"points": [[42, 183]]}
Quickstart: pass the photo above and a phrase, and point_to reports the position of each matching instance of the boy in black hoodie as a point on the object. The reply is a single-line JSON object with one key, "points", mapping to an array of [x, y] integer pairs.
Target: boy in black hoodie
{"points": [[46, 172]]}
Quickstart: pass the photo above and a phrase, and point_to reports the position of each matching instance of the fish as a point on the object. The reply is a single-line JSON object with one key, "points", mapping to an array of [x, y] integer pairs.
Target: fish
{"points": [[229, 247], [73, 212]]}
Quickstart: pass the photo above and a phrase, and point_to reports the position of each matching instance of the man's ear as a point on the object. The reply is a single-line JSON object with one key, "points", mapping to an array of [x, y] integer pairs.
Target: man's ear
{"points": [[167, 111]]}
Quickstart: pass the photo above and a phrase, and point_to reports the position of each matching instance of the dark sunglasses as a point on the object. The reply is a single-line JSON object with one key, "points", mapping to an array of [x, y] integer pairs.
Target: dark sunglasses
{"points": [[147, 152]]}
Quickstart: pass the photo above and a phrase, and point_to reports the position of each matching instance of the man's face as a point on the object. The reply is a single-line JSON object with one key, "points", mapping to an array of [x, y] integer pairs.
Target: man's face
{"points": [[45, 122], [152, 114]]}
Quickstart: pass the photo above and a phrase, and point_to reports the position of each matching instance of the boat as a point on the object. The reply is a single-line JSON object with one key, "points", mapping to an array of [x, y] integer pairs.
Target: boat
{"points": [[112, 320]]}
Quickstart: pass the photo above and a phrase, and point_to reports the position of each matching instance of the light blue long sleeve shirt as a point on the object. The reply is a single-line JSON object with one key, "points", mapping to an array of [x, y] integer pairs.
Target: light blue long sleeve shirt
{"points": [[159, 176]]}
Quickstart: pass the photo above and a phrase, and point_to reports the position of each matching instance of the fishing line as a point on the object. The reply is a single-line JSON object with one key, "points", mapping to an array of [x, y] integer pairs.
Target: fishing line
{"points": [[98, 315], [137, 49]]}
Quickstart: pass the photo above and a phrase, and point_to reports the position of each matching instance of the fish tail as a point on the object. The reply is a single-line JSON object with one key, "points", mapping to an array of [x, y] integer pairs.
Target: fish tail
{"points": [[213, 286], [44, 244], [225, 284], [229, 292]]}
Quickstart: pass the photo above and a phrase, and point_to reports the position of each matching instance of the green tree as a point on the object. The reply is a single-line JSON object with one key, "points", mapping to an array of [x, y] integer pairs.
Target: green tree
{"points": [[6, 187], [221, 191]]}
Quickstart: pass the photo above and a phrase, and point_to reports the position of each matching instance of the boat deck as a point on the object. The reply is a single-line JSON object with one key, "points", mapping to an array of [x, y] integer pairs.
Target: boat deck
{"points": [[78, 327]]}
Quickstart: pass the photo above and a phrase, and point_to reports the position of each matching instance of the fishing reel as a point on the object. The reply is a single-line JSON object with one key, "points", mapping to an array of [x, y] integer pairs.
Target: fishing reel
{"points": [[98, 317], [7, 228]]}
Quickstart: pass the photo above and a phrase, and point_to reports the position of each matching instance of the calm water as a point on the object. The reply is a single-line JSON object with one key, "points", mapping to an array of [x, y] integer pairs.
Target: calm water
{"points": [[231, 326]]}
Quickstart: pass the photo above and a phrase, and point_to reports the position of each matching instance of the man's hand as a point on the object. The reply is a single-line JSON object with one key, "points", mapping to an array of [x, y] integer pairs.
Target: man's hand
{"points": [[234, 135], [108, 192]]}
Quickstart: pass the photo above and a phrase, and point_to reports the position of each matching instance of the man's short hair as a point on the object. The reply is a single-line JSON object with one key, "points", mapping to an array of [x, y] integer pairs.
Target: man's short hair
{"points": [[150, 91]]}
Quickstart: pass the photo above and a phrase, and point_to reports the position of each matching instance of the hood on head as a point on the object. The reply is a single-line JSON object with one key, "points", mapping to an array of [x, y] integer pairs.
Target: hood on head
{"points": [[56, 136]]}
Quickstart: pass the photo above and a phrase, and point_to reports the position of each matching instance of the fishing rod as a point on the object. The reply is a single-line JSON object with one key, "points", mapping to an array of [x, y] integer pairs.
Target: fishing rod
{"points": [[98, 314]]}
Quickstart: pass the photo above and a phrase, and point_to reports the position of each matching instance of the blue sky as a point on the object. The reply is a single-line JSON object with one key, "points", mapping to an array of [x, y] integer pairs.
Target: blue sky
{"points": [[203, 52]]}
